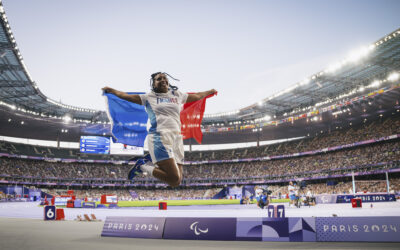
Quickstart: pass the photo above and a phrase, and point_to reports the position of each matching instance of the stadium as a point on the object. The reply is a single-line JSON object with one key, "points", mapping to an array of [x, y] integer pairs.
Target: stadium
{"points": [[333, 137]]}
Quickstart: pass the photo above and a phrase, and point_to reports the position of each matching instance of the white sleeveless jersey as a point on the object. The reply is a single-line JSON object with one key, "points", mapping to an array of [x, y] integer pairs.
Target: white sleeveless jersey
{"points": [[291, 190], [164, 110]]}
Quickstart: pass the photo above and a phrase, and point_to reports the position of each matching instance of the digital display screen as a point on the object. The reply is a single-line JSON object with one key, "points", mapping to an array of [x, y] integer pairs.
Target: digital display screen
{"points": [[94, 145]]}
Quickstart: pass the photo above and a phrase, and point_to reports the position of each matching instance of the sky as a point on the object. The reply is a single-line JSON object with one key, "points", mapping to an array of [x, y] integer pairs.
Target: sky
{"points": [[246, 50]]}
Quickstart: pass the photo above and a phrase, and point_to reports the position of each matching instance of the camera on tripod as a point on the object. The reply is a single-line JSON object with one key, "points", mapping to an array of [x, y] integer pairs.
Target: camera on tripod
{"points": [[263, 199]]}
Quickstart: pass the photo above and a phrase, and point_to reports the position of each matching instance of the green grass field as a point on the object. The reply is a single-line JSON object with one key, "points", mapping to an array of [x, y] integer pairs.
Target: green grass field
{"points": [[185, 202]]}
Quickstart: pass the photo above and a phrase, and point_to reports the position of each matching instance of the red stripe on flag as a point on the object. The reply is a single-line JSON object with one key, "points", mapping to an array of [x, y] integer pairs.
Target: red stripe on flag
{"points": [[191, 117]]}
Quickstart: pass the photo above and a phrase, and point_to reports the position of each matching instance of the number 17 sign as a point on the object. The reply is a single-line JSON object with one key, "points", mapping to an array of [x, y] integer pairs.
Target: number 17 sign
{"points": [[276, 211]]}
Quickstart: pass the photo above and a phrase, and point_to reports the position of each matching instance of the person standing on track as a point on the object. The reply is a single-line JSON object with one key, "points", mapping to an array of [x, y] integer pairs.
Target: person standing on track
{"points": [[292, 194], [163, 105]]}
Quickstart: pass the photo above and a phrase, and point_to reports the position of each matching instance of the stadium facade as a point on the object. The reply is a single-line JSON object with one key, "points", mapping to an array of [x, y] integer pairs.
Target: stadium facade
{"points": [[366, 83]]}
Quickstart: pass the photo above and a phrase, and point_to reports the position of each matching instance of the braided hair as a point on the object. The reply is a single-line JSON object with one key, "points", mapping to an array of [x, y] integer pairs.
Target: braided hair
{"points": [[170, 86]]}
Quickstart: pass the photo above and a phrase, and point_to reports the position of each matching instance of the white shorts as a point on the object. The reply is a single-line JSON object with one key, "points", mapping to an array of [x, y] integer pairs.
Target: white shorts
{"points": [[165, 145]]}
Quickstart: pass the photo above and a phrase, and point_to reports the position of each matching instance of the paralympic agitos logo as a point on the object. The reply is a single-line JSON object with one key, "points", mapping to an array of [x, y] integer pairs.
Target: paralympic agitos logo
{"points": [[197, 230], [205, 228]]}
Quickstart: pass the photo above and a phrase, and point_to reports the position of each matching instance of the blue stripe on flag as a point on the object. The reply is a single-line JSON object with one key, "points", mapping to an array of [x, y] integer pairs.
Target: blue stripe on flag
{"points": [[129, 120]]}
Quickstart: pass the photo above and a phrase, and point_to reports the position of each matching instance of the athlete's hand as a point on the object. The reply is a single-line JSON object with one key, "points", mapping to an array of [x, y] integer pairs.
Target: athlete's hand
{"points": [[212, 91], [107, 90]]}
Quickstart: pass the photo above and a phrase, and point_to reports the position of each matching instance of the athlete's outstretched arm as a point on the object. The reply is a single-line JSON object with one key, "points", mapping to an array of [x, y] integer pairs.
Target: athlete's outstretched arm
{"points": [[130, 98], [200, 95]]}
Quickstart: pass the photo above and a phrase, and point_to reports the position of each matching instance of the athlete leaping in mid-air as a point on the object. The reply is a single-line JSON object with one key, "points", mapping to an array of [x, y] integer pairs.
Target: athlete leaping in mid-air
{"points": [[163, 105]]}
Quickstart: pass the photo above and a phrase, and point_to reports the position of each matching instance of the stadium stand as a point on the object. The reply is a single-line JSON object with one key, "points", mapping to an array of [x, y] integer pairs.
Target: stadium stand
{"points": [[345, 123], [225, 167]]}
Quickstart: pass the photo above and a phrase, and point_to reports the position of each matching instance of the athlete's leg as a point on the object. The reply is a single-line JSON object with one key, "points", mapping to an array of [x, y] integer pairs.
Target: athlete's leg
{"points": [[166, 150], [168, 171], [180, 171]]}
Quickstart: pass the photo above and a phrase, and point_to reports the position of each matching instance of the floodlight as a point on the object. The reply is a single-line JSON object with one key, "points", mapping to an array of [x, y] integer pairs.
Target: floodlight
{"points": [[334, 67], [305, 81], [67, 118], [375, 83], [393, 77], [371, 47], [358, 54]]}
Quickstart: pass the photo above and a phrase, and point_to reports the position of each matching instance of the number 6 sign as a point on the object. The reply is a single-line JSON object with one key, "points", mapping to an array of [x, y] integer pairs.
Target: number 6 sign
{"points": [[49, 212]]}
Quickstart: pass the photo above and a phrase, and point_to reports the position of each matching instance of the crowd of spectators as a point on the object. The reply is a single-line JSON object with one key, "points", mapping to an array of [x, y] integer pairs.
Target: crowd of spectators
{"points": [[338, 137], [38, 168], [3, 196], [139, 194], [344, 161], [371, 157], [278, 191], [364, 186], [360, 156], [92, 194], [166, 194]]}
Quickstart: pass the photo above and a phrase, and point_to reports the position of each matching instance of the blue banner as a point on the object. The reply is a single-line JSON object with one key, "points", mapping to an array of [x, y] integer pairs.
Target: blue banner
{"points": [[128, 120], [326, 198], [366, 198], [352, 229], [262, 229], [370, 229], [200, 228], [134, 227]]}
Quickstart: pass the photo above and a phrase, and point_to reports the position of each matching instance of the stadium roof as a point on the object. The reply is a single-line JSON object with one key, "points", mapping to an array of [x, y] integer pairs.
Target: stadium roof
{"points": [[373, 62], [21, 97], [19, 92]]}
